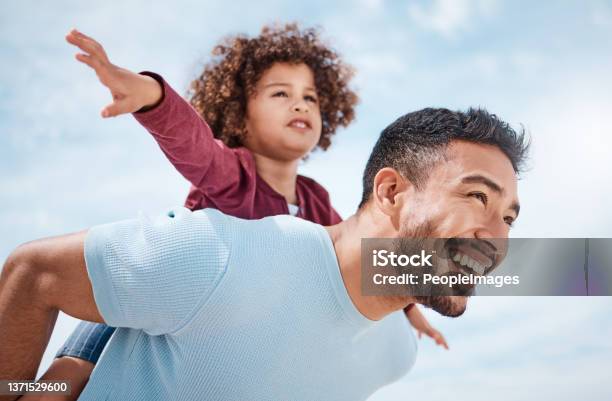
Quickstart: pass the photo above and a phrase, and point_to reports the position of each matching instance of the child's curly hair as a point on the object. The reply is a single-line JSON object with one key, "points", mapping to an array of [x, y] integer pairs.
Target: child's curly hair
{"points": [[220, 93]]}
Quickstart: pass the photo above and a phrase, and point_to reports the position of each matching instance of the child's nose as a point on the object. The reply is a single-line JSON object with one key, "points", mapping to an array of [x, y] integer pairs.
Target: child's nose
{"points": [[300, 107]]}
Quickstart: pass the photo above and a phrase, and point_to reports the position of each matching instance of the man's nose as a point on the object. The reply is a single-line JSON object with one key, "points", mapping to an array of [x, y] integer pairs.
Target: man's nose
{"points": [[495, 232], [489, 232], [493, 227]]}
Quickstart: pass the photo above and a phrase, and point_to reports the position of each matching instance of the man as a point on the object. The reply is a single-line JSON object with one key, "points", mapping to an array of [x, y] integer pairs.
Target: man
{"points": [[208, 308]]}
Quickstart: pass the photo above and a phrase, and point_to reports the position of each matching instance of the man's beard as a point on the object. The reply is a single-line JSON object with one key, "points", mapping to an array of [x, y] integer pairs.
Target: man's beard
{"points": [[447, 305], [451, 306]]}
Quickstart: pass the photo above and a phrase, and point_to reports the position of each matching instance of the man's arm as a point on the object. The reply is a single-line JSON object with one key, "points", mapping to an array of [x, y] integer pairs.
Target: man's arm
{"points": [[74, 370], [39, 279], [148, 273], [77, 357]]}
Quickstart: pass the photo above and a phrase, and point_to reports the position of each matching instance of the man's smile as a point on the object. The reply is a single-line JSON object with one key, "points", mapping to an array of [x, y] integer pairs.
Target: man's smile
{"points": [[471, 256]]}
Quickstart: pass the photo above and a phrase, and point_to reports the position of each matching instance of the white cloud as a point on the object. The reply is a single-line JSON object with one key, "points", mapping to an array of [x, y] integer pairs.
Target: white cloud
{"points": [[564, 381], [566, 194], [372, 5], [526, 63], [450, 18], [601, 14], [510, 348], [486, 66]]}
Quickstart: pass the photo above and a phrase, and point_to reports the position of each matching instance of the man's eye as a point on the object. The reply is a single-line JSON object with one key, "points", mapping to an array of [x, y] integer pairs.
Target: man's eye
{"points": [[280, 94], [481, 196], [509, 221]]}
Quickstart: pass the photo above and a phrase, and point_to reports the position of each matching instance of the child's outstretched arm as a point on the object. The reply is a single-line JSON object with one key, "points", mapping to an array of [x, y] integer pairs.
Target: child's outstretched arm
{"points": [[422, 326], [131, 92], [223, 174]]}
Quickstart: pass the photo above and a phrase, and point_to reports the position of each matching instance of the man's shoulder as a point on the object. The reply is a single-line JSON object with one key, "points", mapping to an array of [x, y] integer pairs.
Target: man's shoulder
{"points": [[291, 225], [283, 225], [283, 233], [207, 216], [281, 220]]}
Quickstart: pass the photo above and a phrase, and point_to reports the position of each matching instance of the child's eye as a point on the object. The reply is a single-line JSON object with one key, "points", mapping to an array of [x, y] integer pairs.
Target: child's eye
{"points": [[509, 221], [481, 196], [310, 98], [280, 94]]}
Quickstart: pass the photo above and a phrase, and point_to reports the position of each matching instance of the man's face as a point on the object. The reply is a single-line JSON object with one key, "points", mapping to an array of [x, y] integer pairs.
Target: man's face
{"points": [[471, 194]]}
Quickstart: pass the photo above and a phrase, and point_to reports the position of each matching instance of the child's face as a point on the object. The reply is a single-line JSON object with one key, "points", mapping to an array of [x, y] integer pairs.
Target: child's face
{"points": [[283, 118]]}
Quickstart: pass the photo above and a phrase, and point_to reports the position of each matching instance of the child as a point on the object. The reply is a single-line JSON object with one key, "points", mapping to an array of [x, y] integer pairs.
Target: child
{"points": [[268, 101]]}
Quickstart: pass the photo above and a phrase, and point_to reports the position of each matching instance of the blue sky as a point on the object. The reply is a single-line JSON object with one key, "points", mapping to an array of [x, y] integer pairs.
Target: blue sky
{"points": [[542, 65]]}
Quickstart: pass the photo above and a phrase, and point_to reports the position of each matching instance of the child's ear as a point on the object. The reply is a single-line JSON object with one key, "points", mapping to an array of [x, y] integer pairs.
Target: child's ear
{"points": [[244, 129], [388, 191]]}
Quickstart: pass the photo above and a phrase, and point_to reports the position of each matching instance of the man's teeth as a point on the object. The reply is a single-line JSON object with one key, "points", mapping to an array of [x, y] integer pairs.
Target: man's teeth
{"points": [[465, 260]]}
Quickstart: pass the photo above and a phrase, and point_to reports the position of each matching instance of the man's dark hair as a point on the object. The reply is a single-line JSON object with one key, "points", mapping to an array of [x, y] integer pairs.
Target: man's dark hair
{"points": [[415, 142]]}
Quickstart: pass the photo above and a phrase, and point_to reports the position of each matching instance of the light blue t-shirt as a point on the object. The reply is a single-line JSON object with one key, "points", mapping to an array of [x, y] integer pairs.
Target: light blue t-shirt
{"points": [[211, 307]]}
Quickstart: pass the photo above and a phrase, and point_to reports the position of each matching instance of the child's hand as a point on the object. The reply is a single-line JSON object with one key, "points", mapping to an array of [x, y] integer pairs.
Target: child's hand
{"points": [[130, 91], [422, 326], [435, 335]]}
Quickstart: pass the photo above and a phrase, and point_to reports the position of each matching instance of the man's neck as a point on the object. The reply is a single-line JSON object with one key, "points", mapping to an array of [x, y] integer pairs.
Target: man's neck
{"points": [[280, 175], [346, 238]]}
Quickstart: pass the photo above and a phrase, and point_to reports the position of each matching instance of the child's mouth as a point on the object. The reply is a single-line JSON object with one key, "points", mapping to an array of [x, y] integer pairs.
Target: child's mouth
{"points": [[299, 124]]}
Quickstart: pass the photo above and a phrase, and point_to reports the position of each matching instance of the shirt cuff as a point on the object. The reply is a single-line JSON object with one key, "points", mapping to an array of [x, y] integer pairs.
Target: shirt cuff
{"points": [[160, 81], [106, 300]]}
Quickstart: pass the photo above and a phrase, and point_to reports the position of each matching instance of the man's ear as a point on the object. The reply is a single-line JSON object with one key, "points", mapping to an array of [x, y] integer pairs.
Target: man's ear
{"points": [[389, 186]]}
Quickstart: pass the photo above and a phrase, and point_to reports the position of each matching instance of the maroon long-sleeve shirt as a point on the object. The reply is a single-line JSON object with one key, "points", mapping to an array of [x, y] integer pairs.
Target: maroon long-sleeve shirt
{"points": [[224, 178]]}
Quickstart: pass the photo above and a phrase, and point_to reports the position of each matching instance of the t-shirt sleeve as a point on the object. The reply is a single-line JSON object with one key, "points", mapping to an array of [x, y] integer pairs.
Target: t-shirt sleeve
{"points": [[156, 273]]}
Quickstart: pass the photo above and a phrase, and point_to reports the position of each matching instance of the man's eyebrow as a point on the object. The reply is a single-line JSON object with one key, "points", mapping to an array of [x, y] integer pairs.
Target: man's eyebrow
{"points": [[286, 84], [481, 179]]}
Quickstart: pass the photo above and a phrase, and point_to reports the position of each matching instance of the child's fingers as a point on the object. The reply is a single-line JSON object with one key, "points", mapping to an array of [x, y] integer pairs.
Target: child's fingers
{"points": [[441, 341], [87, 44], [93, 63], [75, 39], [86, 59], [81, 34], [116, 108]]}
